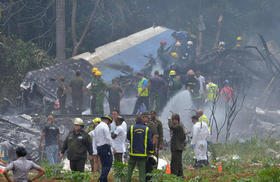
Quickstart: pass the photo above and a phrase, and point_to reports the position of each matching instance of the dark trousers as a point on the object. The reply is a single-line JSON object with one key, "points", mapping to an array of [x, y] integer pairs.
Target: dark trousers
{"points": [[141, 100], [176, 163], [77, 103], [201, 163], [92, 104], [77, 165], [114, 105], [62, 102], [118, 157], [106, 159]]}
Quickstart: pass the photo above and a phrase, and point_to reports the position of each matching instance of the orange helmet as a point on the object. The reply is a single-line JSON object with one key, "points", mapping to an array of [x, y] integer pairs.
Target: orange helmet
{"points": [[190, 72]]}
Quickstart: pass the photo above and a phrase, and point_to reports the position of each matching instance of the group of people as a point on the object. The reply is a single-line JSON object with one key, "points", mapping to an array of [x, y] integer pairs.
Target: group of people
{"points": [[97, 89]]}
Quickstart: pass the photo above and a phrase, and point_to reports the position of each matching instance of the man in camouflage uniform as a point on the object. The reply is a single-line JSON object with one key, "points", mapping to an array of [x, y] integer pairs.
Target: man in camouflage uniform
{"points": [[61, 95], [93, 95], [78, 143], [115, 94], [99, 89], [76, 89]]}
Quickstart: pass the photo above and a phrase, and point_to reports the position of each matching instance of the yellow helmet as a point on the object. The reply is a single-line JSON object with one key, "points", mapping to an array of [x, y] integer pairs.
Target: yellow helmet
{"points": [[175, 55], [94, 70], [239, 38], [96, 120], [98, 73], [172, 73]]}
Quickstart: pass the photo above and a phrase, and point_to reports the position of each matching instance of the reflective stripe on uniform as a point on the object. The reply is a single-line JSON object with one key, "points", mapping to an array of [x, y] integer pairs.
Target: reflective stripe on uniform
{"points": [[131, 143]]}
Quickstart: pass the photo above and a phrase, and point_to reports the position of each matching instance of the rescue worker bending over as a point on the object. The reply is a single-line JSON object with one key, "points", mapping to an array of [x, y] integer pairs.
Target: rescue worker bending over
{"points": [[141, 145]]}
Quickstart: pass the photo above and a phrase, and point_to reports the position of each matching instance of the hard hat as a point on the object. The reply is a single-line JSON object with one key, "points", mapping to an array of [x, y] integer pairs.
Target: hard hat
{"points": [[222, 43], [226, 82], [96, 120], [178, 43], [175, 55], [190, 72], [98, 73], [94, 70], [78, 121], [239, 38], [172, 73], [152, 159], [190, 43], [175, 116], [107, 117], [163, 43]]}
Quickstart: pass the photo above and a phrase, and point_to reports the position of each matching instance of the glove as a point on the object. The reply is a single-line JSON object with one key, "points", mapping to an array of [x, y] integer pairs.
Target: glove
{"points": [[192, 146], [208, 143]]}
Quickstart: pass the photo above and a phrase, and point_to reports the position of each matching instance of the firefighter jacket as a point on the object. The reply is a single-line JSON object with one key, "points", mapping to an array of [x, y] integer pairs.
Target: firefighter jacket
{"points": [[141, 142]]}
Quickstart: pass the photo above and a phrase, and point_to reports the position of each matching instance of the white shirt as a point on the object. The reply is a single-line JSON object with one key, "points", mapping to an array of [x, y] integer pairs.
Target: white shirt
{"points": [[113, 126], [102, 134], [201, 80], [94, 147], [119, 141]]}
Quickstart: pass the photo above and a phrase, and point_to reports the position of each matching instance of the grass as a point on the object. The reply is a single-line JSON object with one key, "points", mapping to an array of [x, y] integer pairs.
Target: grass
{"points": [[240, 162]]}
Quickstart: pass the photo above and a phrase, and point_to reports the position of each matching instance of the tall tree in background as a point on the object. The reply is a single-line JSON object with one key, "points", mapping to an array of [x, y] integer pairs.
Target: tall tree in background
{"points": [[60, 30]]}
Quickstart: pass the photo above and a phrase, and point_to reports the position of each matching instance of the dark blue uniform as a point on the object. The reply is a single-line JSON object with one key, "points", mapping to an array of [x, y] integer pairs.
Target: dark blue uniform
{"points": [[141, 144]]}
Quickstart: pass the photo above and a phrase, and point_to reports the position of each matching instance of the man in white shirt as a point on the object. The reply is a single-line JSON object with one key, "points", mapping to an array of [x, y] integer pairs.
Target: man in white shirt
{"points": [[115, 115], [201, 80], [119, 137], [199, 142], [103, 142]]}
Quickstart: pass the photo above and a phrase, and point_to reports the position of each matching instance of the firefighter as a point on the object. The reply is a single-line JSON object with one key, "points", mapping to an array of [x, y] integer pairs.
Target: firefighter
{"points": [[239, 40], [174, 83], [91, 91], [99, 88], [193, 85], [141, 145], [142, 93]]}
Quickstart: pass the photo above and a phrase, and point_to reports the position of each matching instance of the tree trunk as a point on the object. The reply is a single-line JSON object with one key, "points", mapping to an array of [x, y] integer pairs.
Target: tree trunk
{"points": [[60, 30]]}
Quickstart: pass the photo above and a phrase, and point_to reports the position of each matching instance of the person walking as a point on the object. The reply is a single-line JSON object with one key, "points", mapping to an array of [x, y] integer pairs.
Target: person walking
{"points": [[51, 136], [178, 138], [61, 95], [119, 137], [77, 144], [142, 93], [21, 167], [115, 94], [199, 142], [103, 142], [141, 145], [76, 89]]}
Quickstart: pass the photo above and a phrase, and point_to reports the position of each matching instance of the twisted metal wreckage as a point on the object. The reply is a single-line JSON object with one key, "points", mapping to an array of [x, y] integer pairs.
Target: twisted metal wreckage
{"points": [[121, 60]]}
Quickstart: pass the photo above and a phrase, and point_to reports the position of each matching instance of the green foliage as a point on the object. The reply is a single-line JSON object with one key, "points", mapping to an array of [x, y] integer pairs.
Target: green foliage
{"points": [[161, 176], [120, 171], [16, 59], [271, 174]]}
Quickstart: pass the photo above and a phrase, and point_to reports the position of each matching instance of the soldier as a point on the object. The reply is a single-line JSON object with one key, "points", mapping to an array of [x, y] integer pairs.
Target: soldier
{"points": [[178, 138], [76, 89], [77, 144], [99, 90], [141, 145], [156, 84], [61, 95], [115, 94]]}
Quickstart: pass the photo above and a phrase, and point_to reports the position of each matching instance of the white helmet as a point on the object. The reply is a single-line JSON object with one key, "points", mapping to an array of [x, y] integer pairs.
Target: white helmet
{"points": [[222, 44], [78, 121], [190, 43]]}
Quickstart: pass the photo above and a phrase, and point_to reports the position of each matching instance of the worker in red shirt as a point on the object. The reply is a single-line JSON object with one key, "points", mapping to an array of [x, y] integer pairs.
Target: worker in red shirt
{"points": [[227, 92]]}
